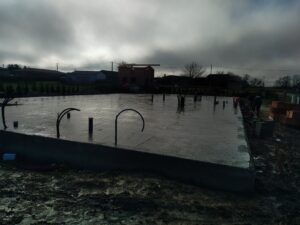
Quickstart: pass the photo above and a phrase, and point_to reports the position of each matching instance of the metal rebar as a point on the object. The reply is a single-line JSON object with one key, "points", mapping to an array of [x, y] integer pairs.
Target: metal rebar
{"points": [[116, 122], [59, 118]]}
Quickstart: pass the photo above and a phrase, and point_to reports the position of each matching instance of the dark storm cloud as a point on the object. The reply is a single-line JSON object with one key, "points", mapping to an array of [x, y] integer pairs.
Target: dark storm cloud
{"points": [[16, 56], [90, 34], [32, 30], [265, 39]]}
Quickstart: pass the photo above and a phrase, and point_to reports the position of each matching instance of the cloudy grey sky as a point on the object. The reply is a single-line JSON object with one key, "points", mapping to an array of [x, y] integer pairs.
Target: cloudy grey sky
{"points": [[259, 37]]}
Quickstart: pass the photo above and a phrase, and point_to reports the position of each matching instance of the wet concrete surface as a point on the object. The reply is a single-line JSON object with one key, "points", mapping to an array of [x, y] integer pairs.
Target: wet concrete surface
{"points": [[64, 196], [203, 131]]}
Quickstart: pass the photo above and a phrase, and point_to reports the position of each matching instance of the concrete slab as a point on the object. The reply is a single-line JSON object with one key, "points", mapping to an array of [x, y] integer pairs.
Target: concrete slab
{"points": [[203, 132]]}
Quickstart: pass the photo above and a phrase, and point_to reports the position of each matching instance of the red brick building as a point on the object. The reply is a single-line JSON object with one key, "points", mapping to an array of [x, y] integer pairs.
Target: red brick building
{"points": [[133, 75]]}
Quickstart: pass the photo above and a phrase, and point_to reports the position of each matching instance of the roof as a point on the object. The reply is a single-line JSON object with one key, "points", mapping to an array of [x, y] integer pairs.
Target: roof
{"points": [[37, 74], [40, 70], [132, 67], [84, 73], [224, 77], [109, 73], [84, 76]]}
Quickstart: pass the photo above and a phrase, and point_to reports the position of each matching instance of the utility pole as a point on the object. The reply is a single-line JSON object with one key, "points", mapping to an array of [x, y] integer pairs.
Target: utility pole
{"points": [[211, 69], [57, 67], [112, 66]]}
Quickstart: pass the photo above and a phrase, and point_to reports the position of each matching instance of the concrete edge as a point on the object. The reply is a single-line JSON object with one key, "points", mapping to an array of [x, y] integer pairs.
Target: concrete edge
{"points": [[100, 157]]}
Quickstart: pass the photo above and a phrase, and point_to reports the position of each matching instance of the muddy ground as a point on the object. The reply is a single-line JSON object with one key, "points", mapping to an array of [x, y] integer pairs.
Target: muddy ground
{"points": [[65, 196]]}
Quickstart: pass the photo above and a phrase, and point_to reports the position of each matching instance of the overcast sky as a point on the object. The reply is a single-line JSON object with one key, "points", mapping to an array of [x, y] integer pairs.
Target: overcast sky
{"points": [[260, 37]]}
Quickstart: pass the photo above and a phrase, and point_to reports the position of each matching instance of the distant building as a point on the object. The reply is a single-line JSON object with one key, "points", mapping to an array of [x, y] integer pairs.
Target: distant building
{"points": [[84, 77], [226, 81], [218, 81], [5, 74], [174, 80], [111, 77], [135, 76], [34, 74]]}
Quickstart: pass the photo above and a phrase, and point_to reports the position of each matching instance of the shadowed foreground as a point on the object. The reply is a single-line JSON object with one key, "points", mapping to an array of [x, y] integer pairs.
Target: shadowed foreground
{"points": [[64, 196]]}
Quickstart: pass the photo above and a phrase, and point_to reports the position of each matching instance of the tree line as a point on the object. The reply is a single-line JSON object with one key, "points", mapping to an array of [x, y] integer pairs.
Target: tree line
{"points": [[38, 88], [287, 82], [195, 70]]}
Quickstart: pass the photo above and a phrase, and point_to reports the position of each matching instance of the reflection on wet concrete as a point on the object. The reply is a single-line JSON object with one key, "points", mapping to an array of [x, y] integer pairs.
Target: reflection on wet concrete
{"points": [[205, 131]]}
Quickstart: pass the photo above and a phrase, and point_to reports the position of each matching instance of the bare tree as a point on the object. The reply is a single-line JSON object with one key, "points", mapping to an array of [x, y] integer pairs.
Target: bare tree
{"points": [[283, 82], [253, 81], [256, 82], [296, 81], [246, 78], [193, 70], [122, 64]]}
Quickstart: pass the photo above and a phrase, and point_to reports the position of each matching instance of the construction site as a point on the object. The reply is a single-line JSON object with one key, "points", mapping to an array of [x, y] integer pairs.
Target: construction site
{"points": [[232, 167]]}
